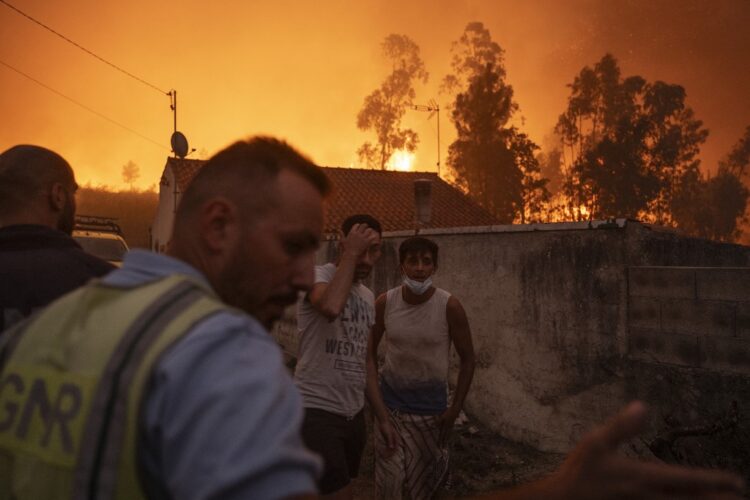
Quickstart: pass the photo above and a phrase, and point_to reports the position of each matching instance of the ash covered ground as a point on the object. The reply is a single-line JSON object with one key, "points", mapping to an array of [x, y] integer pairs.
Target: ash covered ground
{"points": [[481, 461]]}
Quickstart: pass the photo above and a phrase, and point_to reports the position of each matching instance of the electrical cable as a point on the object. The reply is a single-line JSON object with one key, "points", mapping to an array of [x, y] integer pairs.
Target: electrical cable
{"points": [[90, 110], [131, 75]]}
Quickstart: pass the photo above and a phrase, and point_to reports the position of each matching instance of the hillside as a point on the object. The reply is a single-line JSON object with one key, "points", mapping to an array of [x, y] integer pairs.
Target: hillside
{"points": [[134, 210]]}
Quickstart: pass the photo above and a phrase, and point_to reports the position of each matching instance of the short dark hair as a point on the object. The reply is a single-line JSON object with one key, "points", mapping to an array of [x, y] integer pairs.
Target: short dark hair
{"points": [[248, 166], [27, 170], [369, 220], [417, 245]]}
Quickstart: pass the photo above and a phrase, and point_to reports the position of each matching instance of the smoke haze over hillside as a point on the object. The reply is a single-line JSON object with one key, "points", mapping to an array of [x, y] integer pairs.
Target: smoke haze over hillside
{"points": [[301, 70]]}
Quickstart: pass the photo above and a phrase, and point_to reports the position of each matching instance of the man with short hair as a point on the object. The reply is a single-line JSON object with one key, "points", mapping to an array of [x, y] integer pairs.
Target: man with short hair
{"points": [[334, 320], [39, 261], [419, 322], [156, 382]]}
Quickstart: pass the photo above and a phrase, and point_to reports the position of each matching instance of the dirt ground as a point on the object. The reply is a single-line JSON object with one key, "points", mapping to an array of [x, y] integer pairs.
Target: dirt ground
{"points": [[481, 461]]}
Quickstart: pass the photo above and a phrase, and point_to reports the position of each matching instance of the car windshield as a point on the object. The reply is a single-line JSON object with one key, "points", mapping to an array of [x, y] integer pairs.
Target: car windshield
{"points": [[104, 248]]}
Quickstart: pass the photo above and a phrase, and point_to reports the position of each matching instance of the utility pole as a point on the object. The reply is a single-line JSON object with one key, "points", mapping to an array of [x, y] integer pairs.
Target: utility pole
{"points": [[433, 108], [173, 106]]}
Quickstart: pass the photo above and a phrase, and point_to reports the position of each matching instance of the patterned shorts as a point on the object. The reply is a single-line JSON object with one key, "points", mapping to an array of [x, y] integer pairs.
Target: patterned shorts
{"points": [[419, 466]]}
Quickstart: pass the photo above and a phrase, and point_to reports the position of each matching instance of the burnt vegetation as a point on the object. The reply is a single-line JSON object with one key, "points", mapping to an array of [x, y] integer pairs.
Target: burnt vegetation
{"points": [[134, 210]]}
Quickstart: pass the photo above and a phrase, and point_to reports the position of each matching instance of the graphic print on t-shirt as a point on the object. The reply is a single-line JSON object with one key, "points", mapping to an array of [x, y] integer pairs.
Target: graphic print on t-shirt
{"points": [[350, 347], [330, 372]]}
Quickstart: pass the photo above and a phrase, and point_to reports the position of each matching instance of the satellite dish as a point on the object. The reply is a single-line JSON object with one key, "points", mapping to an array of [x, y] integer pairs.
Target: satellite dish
{"points": [[179, 144]]}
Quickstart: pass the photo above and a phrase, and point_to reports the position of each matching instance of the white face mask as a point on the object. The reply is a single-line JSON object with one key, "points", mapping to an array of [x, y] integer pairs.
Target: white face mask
{"points": [[418, 287]]}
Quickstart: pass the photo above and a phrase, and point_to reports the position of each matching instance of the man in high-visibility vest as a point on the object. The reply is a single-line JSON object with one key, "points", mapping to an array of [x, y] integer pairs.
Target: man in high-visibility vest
{"points": [[161, 380], [155, 382]]}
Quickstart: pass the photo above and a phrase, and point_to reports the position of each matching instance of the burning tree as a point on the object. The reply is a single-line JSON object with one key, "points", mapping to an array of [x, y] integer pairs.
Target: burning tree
{"points": [[627, 143], [385, 107], [491, 159]]}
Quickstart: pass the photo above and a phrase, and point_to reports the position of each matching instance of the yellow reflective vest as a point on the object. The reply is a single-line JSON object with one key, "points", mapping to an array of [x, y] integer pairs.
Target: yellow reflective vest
{"points": [[72, 382]]}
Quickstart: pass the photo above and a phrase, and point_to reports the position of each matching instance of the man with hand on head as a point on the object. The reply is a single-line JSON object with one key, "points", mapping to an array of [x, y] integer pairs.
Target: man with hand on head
{"points": [[418, 323], [162, 381], [39, 261], [334, 321]]}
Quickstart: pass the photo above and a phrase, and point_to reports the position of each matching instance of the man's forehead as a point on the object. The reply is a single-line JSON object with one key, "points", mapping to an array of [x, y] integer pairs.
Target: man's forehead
{"points": [[419, 253]]}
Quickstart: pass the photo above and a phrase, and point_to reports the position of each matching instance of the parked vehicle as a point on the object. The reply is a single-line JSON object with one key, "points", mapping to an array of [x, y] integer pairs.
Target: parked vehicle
{"points": [[100, 236]]}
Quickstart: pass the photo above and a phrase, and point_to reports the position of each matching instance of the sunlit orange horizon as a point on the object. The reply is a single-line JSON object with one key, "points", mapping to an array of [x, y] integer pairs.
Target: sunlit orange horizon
{"points": [[301, 70]]}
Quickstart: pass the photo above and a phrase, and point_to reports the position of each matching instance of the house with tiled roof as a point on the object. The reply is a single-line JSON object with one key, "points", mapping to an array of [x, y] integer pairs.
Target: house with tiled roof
{"points": [[178, 172], [389, 196]]}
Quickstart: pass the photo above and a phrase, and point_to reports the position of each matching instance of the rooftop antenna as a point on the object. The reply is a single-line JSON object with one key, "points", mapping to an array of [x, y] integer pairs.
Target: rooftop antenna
{"points": [[433, 108], [178, 140]]}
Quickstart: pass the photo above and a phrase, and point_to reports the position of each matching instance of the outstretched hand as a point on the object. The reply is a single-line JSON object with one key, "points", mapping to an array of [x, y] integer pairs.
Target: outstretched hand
{"points": [[595, 469]]}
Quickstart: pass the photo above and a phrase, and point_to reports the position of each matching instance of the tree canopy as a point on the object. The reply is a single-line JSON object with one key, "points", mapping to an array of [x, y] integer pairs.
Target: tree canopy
{"points": [[491, 159], [384, 108], [626, 143]]}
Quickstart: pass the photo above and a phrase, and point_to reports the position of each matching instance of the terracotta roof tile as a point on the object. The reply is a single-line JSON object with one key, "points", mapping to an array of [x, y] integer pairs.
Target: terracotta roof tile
{"points": [[184, 171], [385, 194], [389, 197]]}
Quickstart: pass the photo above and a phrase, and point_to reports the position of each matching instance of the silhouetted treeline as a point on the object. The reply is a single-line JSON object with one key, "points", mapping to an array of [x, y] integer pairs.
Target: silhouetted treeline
{"points": [[134, 210], [627, 148]]}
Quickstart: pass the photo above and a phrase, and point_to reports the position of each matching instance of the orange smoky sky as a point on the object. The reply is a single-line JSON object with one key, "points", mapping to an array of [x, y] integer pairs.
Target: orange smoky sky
{"points": [[301, 69]]}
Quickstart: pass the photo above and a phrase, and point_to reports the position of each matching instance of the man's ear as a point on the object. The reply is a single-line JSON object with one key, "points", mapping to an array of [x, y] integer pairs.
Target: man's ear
{"points": [[58, 196], [219, 224]]}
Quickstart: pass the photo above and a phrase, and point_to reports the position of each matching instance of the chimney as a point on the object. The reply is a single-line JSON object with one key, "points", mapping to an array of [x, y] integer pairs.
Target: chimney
{"points": [[422, 201]]}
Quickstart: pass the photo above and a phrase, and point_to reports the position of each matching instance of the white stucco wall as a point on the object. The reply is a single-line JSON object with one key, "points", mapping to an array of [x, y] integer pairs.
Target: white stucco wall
{"points": [[161, 230]]}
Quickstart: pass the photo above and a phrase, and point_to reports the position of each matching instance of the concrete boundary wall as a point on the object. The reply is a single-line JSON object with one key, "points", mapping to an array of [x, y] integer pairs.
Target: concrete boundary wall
{"points": [[571, 322], [693, 317]]}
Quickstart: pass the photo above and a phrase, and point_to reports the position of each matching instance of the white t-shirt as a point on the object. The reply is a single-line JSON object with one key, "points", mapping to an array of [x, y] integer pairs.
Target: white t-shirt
{"points": [[330, 372]]}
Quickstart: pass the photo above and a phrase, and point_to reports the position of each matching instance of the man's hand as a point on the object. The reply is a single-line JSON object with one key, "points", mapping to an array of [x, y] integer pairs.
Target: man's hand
{"points": [[390, 436], [359, 240], [445, 423], [595, 470]]}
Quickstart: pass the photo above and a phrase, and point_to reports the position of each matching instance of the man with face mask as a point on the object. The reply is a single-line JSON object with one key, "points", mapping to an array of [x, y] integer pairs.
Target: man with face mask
{"points": [[334, 321], [161, 380], [419, 323], [39, 261]]}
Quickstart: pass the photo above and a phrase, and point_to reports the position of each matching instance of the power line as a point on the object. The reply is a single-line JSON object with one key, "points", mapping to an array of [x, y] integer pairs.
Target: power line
{"points": [[131, 75], [83, 105]]}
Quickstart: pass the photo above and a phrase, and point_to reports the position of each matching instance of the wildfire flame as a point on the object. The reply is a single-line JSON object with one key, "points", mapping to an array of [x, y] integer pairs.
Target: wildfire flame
{"points": [[401, 160]]}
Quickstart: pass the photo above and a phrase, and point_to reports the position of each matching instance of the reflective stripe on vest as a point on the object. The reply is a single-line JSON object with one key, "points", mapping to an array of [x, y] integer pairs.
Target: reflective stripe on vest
{"points": [[71, 387]]}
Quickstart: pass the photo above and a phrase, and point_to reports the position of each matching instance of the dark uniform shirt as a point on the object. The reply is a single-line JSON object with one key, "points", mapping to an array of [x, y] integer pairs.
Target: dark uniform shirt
{"points": [[37, 265]]}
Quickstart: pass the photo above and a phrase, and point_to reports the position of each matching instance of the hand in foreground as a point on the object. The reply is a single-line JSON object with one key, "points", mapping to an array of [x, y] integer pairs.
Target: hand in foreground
{"points": [[594, 469]]}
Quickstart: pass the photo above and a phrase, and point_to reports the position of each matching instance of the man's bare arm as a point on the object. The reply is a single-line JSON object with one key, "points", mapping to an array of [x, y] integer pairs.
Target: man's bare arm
{"points": [[460, 334], [330, 298]]}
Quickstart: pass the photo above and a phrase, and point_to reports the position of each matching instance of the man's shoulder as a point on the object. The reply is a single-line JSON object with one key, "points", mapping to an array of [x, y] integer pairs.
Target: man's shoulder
{"points": [[26, 237], [227, 330], [98, 267]]}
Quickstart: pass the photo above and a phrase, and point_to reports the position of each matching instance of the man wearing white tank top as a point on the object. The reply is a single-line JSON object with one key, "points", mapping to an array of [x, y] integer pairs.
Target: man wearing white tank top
{"points": [[418, 323]]}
